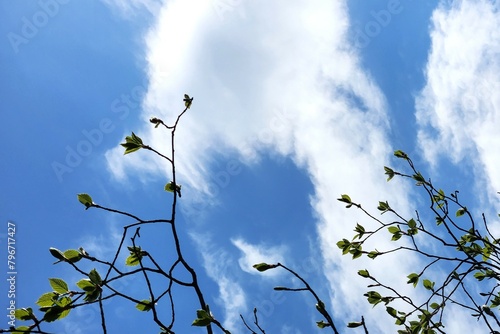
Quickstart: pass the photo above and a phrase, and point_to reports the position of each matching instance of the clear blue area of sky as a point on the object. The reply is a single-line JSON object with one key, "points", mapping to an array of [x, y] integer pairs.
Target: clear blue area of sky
{"points": [[63, 83]]}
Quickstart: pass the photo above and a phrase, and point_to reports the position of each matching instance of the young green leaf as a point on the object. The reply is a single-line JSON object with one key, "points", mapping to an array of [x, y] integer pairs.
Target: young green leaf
{"points": [[364, 273], [383, 206], [21, 330], [322, 324], [91, 296], [428, 284], [394, 229], [400, 154], [24, 314], [435, 306], [95, 277], [389, 172], [58, 285], [354, 324], [86, 285], [72, 255], [264, 266], [86, 200], [461, 211], [203, 319], [413, 279], [373, 297], [373, 254], [187, 101], [392, 311], [132, 143], [47, 299], [57, 254], [344, 198], [144, 305]]}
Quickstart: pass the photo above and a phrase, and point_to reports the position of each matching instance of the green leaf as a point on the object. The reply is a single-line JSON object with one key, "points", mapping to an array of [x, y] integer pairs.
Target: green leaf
{"points": [[364, 273], [359, 228], [72, 255], [392, 311], [412, 223], [394, 229], [132, 143], [461, 212], [322, 324], [373, 297], [435, 306], [346, 199], [383, 206], [389, 172], [92, 295], [135, 257], [187, 101], [53, 313], [264, 266], [21, 330], [203, 319], [396, 236], [419, 178], [413, 279], [480, 275], [86, 285], [57, 254], [130, 147], [428, 284], [64, 301], [144, 305], [356, 250], [345, 245], [201, 322], [24, 314], [59, 285], [354, 324], [373, 254], [172, 187], [86, 200], [400, 154], [47, 299], [132, 260], [95, 277]]}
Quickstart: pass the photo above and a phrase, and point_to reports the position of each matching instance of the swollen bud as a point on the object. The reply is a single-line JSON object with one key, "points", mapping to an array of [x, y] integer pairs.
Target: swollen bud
{"points": [[155, 121]]}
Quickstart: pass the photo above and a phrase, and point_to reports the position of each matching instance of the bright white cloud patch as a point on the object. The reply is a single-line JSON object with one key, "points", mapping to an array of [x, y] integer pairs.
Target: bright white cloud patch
{"points": [[286, 83], [218, 263], [458, 109], [253, 254]]}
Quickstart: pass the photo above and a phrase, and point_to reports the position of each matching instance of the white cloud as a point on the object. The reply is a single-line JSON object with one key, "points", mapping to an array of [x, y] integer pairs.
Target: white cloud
{"points": [[218, 263], [253, 254], [288, 84], [458, 109]]}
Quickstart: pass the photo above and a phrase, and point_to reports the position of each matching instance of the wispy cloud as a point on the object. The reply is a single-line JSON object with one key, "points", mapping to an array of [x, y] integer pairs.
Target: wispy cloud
{"points": [[218, 263], [458, 108], [252, 254]]}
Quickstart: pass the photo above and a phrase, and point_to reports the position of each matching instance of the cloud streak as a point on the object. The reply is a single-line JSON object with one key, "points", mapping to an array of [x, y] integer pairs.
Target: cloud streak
{"points": [[457, 111]]}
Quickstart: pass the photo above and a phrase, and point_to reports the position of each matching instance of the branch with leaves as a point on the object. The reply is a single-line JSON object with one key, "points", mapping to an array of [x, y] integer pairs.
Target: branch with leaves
{"points": [[456, 242], [96, 287]]}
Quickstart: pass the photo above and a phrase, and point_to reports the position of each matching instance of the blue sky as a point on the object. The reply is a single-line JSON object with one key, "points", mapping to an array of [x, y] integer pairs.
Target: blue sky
{"points": [[294, 104]]}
